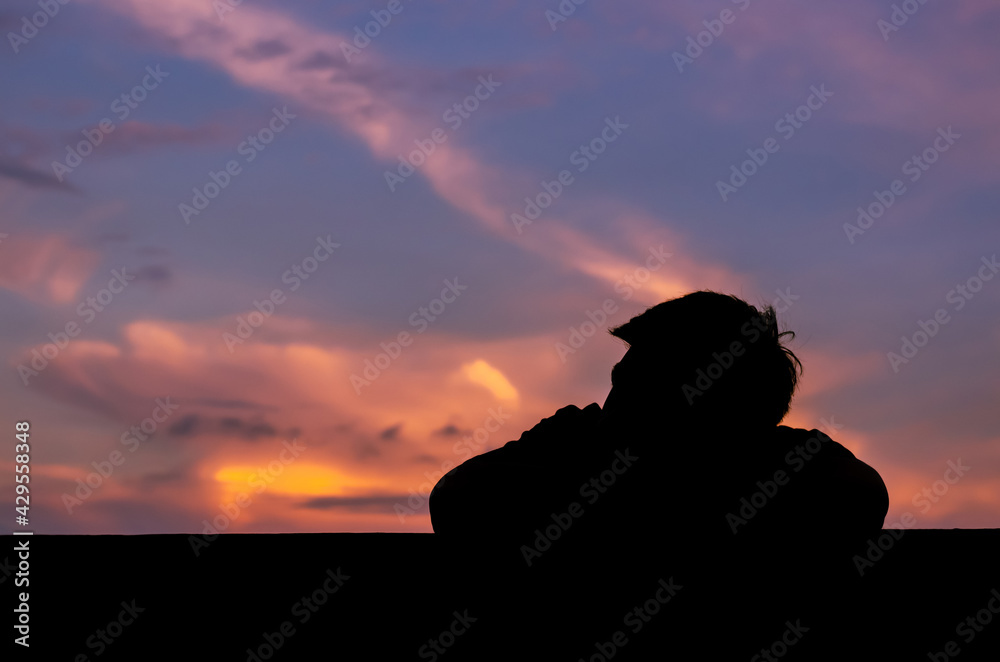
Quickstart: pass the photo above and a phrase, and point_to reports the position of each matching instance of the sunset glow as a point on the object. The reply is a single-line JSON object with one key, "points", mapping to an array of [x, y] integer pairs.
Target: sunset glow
{"points": [[409, 256]]}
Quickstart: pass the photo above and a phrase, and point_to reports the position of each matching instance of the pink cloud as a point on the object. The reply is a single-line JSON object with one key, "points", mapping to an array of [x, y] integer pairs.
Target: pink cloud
{"points": [[45, 267], [350, 96], [396, 435], [303, 385]]}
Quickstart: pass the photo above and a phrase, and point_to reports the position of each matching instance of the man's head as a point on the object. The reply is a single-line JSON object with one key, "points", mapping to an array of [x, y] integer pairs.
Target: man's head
{"points": [[709, 355]]}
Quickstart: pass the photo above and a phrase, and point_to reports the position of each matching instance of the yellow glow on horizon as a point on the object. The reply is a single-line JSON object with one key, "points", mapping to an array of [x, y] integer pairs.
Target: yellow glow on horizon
{"points": [[292, 479], [482, 373]]}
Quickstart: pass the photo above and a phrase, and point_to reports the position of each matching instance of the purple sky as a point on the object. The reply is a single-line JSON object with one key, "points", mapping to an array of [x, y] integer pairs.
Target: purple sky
{"points": [[225, 217]]}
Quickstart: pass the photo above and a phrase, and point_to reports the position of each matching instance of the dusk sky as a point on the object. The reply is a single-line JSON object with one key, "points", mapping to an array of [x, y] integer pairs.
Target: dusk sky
{"points": [[215, 217]]}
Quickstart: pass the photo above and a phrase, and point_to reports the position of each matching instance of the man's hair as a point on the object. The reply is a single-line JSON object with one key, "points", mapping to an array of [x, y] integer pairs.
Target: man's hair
{"points": [[691, 333]]}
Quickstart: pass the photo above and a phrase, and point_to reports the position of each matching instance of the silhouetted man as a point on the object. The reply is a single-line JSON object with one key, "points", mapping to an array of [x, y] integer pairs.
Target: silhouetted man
{"points": [[685, 470], [698, 397]]}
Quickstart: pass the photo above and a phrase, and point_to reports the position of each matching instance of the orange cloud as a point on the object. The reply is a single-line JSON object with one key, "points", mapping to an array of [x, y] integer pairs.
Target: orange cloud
{"points": [[482, 373], [303, 386]]}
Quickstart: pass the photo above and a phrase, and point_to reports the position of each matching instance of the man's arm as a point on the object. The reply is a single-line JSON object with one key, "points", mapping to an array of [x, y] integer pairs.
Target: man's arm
{"points": [[869, 492], [486, 496], [849, 495], [506, 490]]}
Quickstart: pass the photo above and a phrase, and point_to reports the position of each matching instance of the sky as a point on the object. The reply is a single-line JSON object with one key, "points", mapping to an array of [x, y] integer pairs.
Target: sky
{"points": [[275, 267]]}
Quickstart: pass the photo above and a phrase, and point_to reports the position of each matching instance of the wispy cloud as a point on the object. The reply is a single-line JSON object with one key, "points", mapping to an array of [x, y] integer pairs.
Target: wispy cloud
{"points": [[33, 177]]}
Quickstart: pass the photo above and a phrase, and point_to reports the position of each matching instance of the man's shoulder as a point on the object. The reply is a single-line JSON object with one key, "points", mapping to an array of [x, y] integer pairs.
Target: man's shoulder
{"points": [[833, 467], [808, 443], [567, 420], [567, 429]]}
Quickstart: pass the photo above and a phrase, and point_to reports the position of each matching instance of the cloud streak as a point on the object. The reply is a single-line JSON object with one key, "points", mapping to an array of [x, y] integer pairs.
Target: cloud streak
{"points": [[351, 99], [32, 177]]}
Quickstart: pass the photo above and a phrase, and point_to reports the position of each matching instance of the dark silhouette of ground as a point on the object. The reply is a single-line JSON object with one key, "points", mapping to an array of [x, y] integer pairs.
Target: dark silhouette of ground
{"points": [[684, 476], [402, 593]]}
